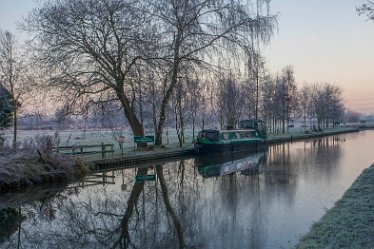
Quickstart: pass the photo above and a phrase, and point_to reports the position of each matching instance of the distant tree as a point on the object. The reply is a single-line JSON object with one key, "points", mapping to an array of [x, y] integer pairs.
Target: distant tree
{"points": [[256, 75], [305, 103], [250, 105], [367, 9], [230, 101], [14, 75], [269, 103], [285, 98], [62, 116], [328, 104], [6, 107], [196, 104], [352, 116]]}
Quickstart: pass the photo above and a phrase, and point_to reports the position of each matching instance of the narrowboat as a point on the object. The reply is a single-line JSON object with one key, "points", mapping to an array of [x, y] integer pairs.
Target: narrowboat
{"points": [[250, 136]]}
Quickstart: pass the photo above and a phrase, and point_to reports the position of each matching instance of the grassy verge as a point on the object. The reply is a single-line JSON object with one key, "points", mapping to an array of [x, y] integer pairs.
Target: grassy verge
{"points": [[350, 223], [26, 169]]}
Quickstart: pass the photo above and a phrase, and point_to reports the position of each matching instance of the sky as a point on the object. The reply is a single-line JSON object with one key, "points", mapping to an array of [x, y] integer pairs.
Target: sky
{"points": [[324, 40]]}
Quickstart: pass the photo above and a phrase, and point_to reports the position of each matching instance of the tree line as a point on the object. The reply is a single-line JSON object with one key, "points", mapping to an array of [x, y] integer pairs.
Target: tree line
{"points": [[193, 63]]}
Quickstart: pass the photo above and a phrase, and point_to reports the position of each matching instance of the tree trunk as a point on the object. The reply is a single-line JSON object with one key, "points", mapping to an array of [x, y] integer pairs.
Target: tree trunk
{"points": [[169, 91], [15, 126], [136, 126]]}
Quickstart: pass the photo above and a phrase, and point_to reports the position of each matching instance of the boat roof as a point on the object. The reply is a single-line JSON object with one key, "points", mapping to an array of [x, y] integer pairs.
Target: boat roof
{"points": [[231, 130], [236, 130]]}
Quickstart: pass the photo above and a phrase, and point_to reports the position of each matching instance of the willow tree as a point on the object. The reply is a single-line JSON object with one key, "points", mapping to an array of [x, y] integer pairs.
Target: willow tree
{"points": [[197, 31]]}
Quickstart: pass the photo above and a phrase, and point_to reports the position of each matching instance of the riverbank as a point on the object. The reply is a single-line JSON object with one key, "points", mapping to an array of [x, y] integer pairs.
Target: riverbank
{"points": [[25, 169], [172, 151], [350, 223]]}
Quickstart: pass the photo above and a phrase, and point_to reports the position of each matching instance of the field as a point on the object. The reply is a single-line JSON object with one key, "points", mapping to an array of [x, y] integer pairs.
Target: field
{"points": [[97, 137]]}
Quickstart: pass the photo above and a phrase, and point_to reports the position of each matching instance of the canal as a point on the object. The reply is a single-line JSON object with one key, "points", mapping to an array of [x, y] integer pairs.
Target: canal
{"points": [[264, 200]]}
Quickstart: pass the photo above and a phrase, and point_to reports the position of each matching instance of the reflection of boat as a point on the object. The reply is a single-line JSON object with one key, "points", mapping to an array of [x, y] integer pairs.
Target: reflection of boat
{"points": [[246, 164], [250, 137]]}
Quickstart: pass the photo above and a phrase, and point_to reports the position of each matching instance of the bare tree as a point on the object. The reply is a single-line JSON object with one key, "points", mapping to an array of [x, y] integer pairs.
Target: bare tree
{"points": [[5, 108], [269, 104], [192, 29], [305, 103], [285, 96], [90, 47], [328, 104], [13, 73], [230, 101], [367, 9], [179, 107], [62, 116], [196, 104]]}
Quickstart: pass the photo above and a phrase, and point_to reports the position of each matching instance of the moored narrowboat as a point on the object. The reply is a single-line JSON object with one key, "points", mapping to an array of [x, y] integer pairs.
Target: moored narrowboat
{"points": [[232, 140]]}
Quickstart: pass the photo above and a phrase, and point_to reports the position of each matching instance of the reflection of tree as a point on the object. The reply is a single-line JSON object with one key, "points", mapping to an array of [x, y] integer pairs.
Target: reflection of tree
{"points": [[124, 239], [169, 208], [103, 220], [9, 222], [285, 162]]}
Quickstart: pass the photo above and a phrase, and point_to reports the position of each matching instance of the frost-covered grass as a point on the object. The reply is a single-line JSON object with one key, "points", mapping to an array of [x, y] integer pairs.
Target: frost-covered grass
{"points": [[350, 223], [33, 163], [25, 169], [96, 137], [93, 137]]}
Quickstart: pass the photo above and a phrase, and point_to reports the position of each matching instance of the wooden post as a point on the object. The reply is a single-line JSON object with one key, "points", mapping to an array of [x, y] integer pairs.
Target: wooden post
{"points": [[102, 151]]}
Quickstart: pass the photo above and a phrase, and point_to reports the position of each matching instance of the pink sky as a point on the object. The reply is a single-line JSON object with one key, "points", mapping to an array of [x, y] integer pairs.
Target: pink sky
{"points": [[326, 41]]}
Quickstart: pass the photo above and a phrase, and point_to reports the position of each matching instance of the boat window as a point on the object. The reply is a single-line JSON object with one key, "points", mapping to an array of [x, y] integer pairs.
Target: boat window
{"points": [[225, 136], [238, 135], [210, 134], [249, 135], [232, 135]]}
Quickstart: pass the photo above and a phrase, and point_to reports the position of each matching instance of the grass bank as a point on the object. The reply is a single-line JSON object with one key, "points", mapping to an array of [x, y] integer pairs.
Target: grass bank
{"points": [[25, 169], [350, 223]]}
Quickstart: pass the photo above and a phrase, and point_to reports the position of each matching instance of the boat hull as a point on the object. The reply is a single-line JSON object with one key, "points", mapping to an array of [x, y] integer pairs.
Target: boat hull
{"points": [[251, 146]]}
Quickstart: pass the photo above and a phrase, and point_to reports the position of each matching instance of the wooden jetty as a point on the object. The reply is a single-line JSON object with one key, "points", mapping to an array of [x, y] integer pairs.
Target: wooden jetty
{"points": [[142, 157]]}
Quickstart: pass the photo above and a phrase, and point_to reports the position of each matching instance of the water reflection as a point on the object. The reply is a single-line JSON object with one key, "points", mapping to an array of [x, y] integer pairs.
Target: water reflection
{"points": [[246, 164], [242, 201]]}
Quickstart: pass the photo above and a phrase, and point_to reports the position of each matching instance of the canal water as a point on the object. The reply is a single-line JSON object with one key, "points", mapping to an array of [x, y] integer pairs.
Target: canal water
{"points": [[265, 200]]}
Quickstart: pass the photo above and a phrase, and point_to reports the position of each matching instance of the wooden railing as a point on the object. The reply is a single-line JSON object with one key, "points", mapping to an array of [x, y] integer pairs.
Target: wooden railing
{"points": [[86, 149]]}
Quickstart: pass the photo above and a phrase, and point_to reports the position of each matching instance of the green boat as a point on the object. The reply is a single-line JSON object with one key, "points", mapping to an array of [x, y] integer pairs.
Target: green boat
{"points": [[250, 136]]}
